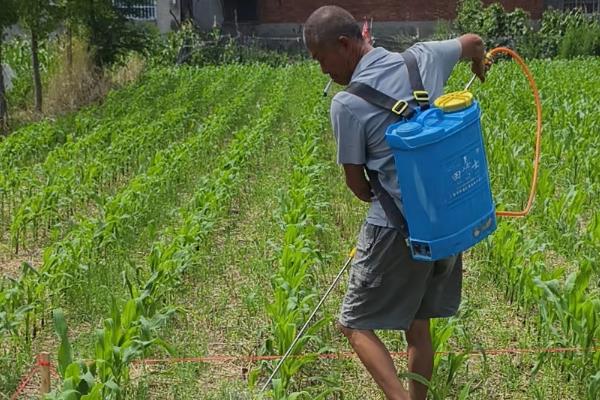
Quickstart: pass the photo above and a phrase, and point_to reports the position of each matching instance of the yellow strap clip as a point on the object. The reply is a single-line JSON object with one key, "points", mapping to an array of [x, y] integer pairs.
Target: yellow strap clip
{"points": [[421, 96], [399, 107]]}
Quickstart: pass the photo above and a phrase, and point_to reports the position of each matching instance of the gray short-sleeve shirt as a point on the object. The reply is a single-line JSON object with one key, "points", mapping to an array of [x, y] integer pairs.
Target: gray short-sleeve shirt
{"points": [[359, 127]]}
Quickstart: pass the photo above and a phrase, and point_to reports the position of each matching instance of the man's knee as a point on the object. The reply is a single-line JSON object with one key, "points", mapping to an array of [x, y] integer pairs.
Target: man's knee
{"points": [[418, 332], [344, 330], [355, 336]]}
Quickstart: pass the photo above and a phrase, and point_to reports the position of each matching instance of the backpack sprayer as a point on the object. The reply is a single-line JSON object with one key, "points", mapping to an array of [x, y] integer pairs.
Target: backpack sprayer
{"points": [[442, 172]]}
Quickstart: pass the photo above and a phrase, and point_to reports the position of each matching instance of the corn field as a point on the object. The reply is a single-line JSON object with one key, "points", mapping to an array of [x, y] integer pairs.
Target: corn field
{"points": [[200, 213]]}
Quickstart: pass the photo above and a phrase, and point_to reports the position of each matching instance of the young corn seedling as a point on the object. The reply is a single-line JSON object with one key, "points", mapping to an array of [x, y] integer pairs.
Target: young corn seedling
{"points": [[125, 337]]}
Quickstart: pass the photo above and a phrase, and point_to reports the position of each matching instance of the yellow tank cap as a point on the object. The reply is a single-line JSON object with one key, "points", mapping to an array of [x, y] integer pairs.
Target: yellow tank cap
{"points": [[454, 101]]}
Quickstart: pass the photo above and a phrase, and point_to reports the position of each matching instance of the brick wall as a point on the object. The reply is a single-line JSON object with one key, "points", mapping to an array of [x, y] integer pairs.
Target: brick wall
{"points": [[280, 11]]}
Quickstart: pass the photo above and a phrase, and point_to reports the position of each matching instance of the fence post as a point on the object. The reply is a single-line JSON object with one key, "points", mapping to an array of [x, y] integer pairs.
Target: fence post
{"points": [[44, 363]]}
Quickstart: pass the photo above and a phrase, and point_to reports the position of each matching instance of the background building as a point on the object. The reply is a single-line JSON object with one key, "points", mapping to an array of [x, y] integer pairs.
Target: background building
{"points": [[283, 18]]}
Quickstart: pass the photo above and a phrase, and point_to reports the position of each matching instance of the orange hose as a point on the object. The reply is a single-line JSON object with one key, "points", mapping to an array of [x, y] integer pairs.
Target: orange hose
{"points": [[538, 134]]}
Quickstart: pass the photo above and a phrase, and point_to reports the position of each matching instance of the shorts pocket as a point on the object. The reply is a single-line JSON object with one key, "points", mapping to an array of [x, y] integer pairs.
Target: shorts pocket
{"points": [[362, 276], [366, 271], [367, 238]]}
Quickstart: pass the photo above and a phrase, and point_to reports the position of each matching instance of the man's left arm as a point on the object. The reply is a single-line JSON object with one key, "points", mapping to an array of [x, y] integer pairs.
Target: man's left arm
{"points": [[438, 58], [473, 49]]}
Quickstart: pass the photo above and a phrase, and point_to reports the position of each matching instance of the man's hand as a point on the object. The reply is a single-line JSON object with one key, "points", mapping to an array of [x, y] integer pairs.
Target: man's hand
{"points": [[479, 68], [357, 182], [473, 50]]}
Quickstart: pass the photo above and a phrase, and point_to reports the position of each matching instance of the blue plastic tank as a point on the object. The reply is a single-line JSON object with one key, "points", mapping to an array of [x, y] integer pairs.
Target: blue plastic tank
{"points": [[443, 176]]}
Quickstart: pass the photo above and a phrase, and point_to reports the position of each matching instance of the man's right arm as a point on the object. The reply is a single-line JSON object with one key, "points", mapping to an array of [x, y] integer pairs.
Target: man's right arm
{"points": [[357, 182], [351, 148]]}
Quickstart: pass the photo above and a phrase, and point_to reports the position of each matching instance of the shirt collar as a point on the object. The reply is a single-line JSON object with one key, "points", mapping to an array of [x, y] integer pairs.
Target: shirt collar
{"points": [[371, 57]]}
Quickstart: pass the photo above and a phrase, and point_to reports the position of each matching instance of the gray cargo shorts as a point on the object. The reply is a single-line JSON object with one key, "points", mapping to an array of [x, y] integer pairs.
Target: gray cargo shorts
{"points": [[387, 289]]}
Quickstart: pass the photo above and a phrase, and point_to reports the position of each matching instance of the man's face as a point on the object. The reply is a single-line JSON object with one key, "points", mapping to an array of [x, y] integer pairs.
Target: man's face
{"points": [[335, 60]]}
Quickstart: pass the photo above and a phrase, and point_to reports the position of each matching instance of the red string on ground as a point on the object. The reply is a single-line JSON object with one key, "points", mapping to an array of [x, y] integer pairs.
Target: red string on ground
{"points": [[24, 382], [27, 378], [53, 372], [325, 356], [345, 355]]}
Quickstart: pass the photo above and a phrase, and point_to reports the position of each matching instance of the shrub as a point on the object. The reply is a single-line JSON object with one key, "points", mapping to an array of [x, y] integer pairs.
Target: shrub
{"points": [[553, 27], [496, 26], [17, 54], [582, 40], [73, 86], [469, 16], [565, 33], [189, 46]]}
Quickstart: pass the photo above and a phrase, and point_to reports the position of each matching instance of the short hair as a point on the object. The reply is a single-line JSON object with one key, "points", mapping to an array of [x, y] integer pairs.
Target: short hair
{"points": [[326, 24]]}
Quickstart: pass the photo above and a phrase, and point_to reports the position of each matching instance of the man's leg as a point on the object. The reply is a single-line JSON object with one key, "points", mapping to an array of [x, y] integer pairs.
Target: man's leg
{"points": [[420, 356], [378, 361]]}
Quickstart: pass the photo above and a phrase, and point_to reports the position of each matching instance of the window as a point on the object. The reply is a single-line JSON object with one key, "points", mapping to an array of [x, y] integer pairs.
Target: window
{"points": [[588, 6], [142, 10]]}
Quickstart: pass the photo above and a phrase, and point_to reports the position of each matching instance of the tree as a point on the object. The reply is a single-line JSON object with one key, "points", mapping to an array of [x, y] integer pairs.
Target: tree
{"points": [[8, 17], [105, 26], [72, 13], [38, 17], [109, 32]]}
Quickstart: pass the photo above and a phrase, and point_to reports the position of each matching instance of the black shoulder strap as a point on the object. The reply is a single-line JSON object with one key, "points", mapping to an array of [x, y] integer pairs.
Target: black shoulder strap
{"points": [[419, 92], [399, 107], [380, 99], [393, 214]]}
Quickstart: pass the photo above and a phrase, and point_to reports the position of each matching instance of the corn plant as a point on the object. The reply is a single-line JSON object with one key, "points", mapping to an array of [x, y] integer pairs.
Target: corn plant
{"points": [[102, 159], [563, 295], [89, 242], [446, 363], [293, 296], [125, 337], [168, 260]]}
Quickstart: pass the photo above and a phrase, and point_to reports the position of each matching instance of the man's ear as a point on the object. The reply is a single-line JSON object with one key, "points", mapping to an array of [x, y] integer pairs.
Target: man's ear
{"points": [[344, 41]]}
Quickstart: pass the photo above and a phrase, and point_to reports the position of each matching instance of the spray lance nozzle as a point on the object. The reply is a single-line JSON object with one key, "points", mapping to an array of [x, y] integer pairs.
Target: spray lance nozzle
{"points": [[326, 89]]}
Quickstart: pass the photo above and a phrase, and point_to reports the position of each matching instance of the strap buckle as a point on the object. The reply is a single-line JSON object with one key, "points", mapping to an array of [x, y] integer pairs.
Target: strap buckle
{"points": [[400, 107], [421, 96]]}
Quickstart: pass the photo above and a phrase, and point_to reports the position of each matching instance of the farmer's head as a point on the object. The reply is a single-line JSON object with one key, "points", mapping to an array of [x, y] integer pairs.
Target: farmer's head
{"points": [[334, 39]]}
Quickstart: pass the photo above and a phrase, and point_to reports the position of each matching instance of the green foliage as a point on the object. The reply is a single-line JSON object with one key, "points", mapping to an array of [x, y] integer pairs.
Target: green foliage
{"points": [[39, 16], [469, 16], [128, 160], [72, 11], [125, 337], [443, 30], [8, 16], [547, 263], [554, 26], [496, 26], [17, 54], [110, 33], [581, 40], [299, 259], [565, 33], [118, 343], [446, 363]]}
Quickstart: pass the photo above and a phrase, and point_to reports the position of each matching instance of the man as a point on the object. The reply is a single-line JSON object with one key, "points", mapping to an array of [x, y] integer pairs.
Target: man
{"points": [[387, 289]]}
